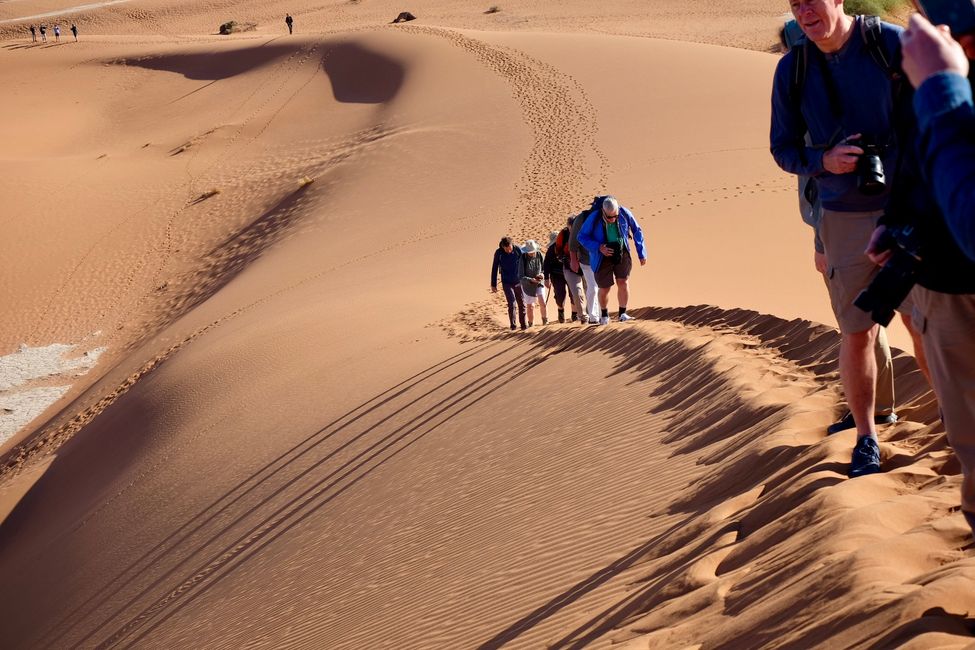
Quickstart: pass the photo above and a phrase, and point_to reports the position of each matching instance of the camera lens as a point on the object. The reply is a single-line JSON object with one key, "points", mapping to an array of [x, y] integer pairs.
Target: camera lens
{"points": [[870, 170]]}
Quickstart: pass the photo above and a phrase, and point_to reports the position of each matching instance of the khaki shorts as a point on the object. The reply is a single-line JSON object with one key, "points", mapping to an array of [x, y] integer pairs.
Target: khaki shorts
{"points": [[849, 271], [947, 326]]}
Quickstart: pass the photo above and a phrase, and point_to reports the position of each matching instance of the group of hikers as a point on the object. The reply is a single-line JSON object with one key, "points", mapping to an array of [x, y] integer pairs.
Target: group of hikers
{"points": [[42, 30], [878, 124], [582, 262]]}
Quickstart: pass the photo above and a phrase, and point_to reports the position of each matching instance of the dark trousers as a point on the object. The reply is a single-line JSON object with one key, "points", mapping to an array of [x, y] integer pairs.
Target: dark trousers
{"points": [[513, 294], [560, 287]]}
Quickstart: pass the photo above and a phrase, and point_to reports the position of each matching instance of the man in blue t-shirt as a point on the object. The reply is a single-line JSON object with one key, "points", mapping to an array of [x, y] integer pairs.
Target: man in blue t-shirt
{"points": [[845, 100]]}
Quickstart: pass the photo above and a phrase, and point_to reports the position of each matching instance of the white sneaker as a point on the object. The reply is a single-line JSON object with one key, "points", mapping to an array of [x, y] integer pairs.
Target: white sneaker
{"points": [[625, 317], [604, 320], [593, 320]]}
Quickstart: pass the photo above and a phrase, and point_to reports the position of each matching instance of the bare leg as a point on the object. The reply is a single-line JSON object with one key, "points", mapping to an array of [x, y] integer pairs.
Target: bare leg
{"points": [[858, 373], [604, 298], [531, 313], [623, 293]]}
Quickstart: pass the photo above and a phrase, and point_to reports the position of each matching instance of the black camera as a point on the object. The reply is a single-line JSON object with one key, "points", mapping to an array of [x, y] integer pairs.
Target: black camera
{"points": [[896, 278], [870, 168], [617, 255]]}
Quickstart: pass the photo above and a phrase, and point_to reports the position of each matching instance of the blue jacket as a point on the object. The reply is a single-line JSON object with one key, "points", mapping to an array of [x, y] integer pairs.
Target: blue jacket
{"points": [[592, 235], [867, 107], [507, 263], [946, 118]]}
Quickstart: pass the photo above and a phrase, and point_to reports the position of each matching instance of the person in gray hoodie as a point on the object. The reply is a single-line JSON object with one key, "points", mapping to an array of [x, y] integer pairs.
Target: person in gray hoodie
{"points": [[531, 272]]}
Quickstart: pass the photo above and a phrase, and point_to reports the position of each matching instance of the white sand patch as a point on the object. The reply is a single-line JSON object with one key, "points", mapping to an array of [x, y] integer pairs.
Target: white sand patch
{"points": [[20, 404]]}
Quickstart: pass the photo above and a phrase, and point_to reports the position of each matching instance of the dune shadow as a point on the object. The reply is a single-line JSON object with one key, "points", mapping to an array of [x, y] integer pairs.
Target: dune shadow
{"points": [[361, 76], [212, 66]]}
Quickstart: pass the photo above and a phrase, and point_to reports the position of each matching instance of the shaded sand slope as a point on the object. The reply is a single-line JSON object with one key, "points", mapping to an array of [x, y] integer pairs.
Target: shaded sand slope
{"points": [[691, 497]]}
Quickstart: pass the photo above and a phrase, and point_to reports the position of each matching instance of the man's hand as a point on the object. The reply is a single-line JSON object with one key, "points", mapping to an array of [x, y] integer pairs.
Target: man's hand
{"points": [[548, 284], [929, 50], [877, 255], [842, 159], [643, 262], [494, 289], [605, 250], [819, 260], [574, 262]]}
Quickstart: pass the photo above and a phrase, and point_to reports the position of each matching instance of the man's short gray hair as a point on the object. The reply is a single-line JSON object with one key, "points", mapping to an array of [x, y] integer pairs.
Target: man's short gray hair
{"points": [[611, 206]]}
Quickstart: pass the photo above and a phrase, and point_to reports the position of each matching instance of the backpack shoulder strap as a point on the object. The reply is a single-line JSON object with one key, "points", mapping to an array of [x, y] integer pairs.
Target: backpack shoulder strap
{"points": [[871, 32], [798, 77]]}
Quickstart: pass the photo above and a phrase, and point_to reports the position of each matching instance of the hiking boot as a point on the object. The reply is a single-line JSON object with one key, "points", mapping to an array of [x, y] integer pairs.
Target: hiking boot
{"points": [[575, 317], [625, 317], [593, 320], [604, 320], [544, 321], [866, 458], [513, 327], [846, 422]]}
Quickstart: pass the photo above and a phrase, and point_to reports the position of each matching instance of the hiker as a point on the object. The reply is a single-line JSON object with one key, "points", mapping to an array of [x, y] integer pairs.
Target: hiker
{"points": [[289, 21], [74, 32], [573, 280], [554, 277], [579, 263], [944, 299], [530, 270], [57, 33], [838, 88], [811, 211], [33, 34], [507, 260], [43, 30], [606, 235]]}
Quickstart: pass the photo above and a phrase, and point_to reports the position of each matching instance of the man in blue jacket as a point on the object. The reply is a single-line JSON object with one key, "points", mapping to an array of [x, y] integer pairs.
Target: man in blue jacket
{"points": [[506, 260], [606, 236]]}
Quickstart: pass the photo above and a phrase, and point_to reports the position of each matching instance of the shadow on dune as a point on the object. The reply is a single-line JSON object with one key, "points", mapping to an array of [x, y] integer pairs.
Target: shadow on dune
{"points": [[127, 603], [212, 66], [361, 76]]}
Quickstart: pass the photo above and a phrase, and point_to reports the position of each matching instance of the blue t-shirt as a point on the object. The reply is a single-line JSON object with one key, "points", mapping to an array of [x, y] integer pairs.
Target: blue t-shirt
{"points": [[865, 96]]}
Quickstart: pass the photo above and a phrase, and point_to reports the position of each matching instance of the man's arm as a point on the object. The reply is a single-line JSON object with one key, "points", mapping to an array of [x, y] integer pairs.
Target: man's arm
{"points": [[641, 246], [947, 121], [788, 130], [495, 268]]}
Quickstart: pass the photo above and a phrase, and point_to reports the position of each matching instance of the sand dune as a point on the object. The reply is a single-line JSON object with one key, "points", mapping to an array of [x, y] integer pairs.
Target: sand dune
{"points": [[309, 427]]}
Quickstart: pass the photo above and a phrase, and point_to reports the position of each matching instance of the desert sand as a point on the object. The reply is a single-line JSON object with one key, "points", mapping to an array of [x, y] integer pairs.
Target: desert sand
{"points": [[249, 276]]}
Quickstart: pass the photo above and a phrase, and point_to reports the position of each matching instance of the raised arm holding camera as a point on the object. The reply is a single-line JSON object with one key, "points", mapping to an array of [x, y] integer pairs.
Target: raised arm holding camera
{"points": [[839, 88]]}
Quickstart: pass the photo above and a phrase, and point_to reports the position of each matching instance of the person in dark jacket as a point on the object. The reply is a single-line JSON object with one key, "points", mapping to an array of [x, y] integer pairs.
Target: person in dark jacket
{"points": [[939, 218], [290, 22], [554, 276], [530, 270], [507, 260]]}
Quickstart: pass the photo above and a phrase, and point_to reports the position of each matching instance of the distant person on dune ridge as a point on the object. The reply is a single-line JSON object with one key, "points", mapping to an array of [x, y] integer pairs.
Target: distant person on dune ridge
{"points": [[43, 30], [606, 235], [33, 34], [289, 21], [573, 280], [530, 270], [506, 261], [57, 33], [74, 32], [837, 89], [554, 276]]}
